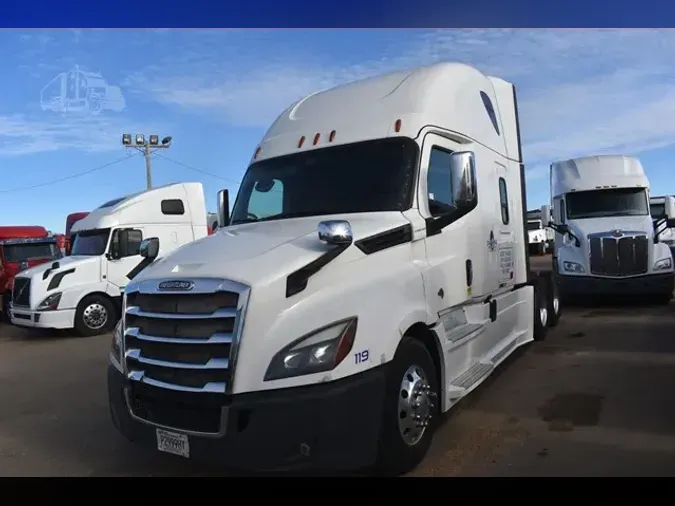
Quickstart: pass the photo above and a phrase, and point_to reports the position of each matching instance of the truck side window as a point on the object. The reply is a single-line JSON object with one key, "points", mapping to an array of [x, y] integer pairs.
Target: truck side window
{"points": [[490, 110], [173, 207], [504, 200], [267, 199], [132, 246], [562, 211], [439, 182]]}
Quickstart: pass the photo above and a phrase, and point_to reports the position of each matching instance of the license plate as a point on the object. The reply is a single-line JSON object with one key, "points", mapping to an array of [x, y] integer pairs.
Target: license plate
{"points": [[172, 442]]}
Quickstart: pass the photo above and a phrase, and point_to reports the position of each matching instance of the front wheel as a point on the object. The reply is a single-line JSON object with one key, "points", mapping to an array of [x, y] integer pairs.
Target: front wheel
{"points": [[6, 312], [95, 315], [410, 409]]}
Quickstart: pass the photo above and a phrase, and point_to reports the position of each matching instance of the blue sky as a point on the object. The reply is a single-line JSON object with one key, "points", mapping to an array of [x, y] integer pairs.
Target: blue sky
{"points": [[216, 91]]}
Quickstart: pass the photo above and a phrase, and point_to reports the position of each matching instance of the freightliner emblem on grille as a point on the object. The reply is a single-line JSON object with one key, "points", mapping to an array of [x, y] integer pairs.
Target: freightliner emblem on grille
{"points": [[176, 286], [616, 233]]}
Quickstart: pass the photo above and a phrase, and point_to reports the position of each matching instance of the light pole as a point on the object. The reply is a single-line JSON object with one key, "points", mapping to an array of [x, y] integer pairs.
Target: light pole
{"points": [[146, 148]]}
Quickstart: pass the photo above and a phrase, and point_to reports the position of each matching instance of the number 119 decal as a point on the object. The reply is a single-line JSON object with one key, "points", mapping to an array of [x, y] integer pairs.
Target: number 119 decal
{"points": [[361, 357]]}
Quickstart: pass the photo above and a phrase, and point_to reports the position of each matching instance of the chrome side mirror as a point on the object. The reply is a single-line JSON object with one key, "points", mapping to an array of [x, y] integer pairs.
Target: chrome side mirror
{"points": [[335, 232], [463, 178]]}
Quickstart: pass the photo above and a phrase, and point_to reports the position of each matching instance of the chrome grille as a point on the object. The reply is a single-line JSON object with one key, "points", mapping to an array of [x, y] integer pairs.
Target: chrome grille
{"points": [[627, 255], [183, 341], [21, 292]]}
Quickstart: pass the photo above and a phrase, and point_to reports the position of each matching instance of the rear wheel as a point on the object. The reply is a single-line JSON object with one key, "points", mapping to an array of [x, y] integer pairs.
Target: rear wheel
{"points": [[554, 305], [541, 305], [95, 315], [410, 409]]}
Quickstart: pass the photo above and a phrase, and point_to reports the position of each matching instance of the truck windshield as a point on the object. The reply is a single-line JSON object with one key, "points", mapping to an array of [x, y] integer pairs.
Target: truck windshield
{"points": [[24, 252], [90, 242], [533, 225], [361, 177], [605, 203]]}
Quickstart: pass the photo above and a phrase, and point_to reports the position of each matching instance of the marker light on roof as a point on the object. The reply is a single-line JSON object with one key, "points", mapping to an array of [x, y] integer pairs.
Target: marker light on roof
{"points": [[317, 136], [301, 141], [331, 137], [397, 126]]}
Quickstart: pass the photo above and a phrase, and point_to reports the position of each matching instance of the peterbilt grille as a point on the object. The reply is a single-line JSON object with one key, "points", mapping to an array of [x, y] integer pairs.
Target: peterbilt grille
{"points": [[181, 342], [21, 292], [623, 256]]}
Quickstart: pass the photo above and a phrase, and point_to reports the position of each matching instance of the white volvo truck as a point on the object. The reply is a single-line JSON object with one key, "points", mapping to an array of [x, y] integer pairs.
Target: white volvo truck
{"points": [[373, 272], [605, 242], [84, 291]]}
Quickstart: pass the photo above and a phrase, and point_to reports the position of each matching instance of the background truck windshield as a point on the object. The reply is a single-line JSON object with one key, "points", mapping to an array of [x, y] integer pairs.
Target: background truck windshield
{"points": [[361, 177], [91, 242], [31, 251], [533, 225], [612, 202]]}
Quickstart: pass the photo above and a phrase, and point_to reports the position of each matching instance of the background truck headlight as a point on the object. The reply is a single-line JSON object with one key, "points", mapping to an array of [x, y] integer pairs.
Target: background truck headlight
{"points": [[51, 303], [663, 264], [116, 346], [573, 267], [319, 351]]}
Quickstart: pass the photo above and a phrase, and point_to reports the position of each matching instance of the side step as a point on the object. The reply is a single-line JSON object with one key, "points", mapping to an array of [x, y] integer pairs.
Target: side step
{"points": [[477, 372]]}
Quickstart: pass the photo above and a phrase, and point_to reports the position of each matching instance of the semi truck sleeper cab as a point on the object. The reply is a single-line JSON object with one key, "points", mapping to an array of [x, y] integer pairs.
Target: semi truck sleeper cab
{"points": [[373, 272]]}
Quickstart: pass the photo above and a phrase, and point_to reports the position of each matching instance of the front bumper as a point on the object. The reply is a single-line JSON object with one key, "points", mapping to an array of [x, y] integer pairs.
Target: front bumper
{"points": [[59, 319], [651, 284], [330, 426]]}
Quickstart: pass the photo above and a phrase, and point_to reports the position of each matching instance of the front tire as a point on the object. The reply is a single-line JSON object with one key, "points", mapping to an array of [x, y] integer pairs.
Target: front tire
{"points": [[95, 315], [410, 409], [6, 313]]}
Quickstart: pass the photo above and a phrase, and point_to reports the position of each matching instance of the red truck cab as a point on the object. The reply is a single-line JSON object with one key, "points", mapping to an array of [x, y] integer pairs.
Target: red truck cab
{"points": [[22, 247], [71, 219]]}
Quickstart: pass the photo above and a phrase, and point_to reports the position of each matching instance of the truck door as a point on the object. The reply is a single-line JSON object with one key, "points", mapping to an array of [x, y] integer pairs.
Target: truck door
{"points": [[500, 240], [129, 257]]}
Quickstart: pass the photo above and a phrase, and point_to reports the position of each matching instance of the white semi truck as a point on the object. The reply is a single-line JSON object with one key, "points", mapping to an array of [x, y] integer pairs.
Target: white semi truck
{"points": [[665, 234], [540, 235], [372, 273], [605, 241], [84, 291]]}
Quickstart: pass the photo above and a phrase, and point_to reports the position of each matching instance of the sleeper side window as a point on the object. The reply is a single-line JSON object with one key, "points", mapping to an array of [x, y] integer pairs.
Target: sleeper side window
{"points": [[504, 201]]}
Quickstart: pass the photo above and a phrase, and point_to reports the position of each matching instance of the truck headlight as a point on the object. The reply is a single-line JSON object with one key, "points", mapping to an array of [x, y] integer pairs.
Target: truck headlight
{"points": [[51, 303], [573, 267], [663, 265], [319, 351], [116, 346]]}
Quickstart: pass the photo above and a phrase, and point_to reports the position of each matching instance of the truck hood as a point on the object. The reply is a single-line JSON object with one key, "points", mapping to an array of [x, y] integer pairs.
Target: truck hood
{"points": [[259, 253], [64, 263], [584, 227]]}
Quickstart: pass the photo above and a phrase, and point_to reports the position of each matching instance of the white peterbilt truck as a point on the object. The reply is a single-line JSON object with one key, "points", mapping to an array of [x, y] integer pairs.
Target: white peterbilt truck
{"points": [[605, 241], [84, 290], [372, 273]]}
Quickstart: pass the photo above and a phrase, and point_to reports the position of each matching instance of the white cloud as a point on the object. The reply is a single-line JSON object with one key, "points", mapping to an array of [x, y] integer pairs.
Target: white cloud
{"points": [[24, 135], [581, 91]]}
